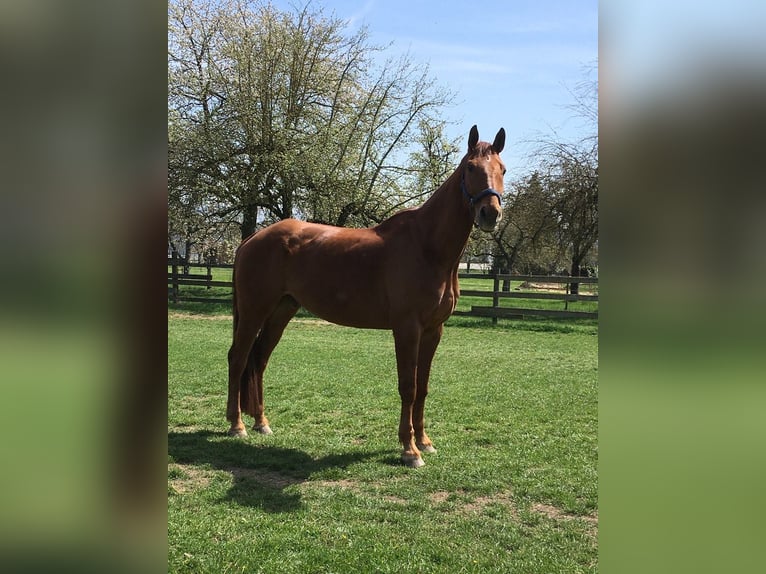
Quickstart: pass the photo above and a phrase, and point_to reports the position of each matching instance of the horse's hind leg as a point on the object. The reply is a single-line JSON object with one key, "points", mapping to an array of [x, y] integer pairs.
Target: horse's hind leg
{"points": [[264, 345], [244, 337]]}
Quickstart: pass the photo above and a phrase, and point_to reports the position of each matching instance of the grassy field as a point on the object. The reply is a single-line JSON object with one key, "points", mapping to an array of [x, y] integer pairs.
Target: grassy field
{"points": [[512, 488]]}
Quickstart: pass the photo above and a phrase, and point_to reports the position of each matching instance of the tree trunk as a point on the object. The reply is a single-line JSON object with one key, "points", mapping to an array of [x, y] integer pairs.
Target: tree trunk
{"points": [[574, 288], [187, 255], [506, 282], [508, 262], [345, 213], [502, 268], [249, 220]]}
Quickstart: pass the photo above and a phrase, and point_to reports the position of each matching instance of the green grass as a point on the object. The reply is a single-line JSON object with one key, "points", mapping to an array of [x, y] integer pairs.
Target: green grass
{"points": [[512, 488]]}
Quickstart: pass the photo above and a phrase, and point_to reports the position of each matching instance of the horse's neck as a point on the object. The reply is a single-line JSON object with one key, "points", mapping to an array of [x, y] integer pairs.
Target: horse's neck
{"points": [[446, 222]]}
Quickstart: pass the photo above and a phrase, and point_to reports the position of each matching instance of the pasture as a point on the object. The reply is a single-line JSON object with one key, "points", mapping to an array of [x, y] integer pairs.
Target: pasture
{"points": [[513, 487]]}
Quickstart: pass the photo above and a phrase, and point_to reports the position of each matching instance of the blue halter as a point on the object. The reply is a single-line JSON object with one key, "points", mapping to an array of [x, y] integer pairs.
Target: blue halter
{"points": [[472, 199]]}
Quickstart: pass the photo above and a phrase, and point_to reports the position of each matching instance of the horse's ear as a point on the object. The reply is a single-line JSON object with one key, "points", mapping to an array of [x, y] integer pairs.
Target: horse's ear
{"points": [[499, 142], [473, 138]]}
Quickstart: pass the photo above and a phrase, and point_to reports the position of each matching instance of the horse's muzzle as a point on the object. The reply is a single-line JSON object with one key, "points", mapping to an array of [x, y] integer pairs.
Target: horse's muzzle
{"points": [[487, 218]]}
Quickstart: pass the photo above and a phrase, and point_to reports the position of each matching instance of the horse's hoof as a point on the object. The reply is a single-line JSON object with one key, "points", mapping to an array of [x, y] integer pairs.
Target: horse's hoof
{"points": [[241, 433], [428, 448], [412, 461], [263, 429]]}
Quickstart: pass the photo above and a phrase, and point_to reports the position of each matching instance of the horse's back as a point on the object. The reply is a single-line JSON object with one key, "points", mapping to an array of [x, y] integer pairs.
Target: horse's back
{"points": [[336, 273]]}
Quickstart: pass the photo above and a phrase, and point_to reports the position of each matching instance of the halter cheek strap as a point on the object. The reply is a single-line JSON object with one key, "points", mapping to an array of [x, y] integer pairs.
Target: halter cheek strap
{"points": [[472, 199]]}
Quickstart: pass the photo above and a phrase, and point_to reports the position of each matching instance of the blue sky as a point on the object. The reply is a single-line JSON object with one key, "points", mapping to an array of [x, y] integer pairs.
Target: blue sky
{"points": [[511, 63]]}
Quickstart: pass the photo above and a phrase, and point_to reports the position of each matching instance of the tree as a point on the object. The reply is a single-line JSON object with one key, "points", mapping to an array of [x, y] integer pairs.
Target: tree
{"points": [[568, 172], [526, 239], [283, 114], [522, 241], [431, 162], [550, 218], [574, 181], [574, 170], [197, 206]]}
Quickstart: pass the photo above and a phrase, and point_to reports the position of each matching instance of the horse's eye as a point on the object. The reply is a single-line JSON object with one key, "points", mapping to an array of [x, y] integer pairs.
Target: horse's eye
{"points": [[470, 167], [504, 170]]}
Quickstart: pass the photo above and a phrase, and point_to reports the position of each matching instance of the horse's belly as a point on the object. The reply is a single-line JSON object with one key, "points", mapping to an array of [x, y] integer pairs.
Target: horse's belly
{"points": [[345, 308], [342, 299], [344, 286]]}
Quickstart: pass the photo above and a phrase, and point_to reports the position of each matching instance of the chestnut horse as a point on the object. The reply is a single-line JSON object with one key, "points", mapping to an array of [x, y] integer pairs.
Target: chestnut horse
{"points": [[400, 275]]}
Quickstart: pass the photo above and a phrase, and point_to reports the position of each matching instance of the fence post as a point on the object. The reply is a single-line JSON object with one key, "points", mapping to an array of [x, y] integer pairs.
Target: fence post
{"points": [[495, 298]]}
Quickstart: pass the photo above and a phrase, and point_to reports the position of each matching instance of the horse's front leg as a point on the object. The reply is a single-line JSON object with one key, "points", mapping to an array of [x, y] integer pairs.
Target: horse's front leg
{"points": [[428, 343], [407, 343]]}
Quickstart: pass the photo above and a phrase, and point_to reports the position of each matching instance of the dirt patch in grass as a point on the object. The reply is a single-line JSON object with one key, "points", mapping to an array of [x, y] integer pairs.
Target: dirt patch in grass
{"points": [[187, 479], [439, 496], [227, 317], [195, 316], [504, 499], [343, 483], [558, 515], [477, 505], [553, 287], [548, 287]]}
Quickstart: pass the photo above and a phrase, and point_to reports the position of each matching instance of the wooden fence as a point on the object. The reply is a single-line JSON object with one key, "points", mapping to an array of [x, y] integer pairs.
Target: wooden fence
{"points": [[496, 310], [530, 289], [179, 275]]}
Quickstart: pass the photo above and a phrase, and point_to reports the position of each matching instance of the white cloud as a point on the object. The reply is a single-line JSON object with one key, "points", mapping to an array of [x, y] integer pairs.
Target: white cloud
{"points": [[357, 17]]}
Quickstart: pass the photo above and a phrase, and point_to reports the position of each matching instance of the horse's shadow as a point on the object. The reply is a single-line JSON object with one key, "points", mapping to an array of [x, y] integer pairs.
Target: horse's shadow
{"points": [[261, 473]]}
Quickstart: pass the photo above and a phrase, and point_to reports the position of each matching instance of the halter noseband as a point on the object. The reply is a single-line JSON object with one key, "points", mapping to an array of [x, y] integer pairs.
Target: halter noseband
{"points": [[472, 199]]}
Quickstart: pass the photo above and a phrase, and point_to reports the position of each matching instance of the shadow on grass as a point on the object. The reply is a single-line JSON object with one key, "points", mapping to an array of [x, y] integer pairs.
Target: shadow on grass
{"points": [[459, 321], [261, 473], [526, 324]]}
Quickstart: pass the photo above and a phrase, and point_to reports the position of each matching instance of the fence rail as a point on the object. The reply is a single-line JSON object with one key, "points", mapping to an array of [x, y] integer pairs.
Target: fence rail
{"points": [[177, 279], [496, 310]]}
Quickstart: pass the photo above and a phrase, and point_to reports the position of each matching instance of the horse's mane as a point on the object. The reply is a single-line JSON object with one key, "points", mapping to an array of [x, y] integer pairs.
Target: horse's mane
{"points": [[394, 220]]}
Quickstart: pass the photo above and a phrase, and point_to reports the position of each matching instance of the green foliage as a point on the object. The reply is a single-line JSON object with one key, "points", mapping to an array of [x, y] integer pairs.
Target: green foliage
{"points": [[275, 114], [512, 410]]}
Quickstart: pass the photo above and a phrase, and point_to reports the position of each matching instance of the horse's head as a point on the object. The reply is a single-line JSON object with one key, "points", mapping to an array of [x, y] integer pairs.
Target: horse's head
{"points": [[482, 179]]}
